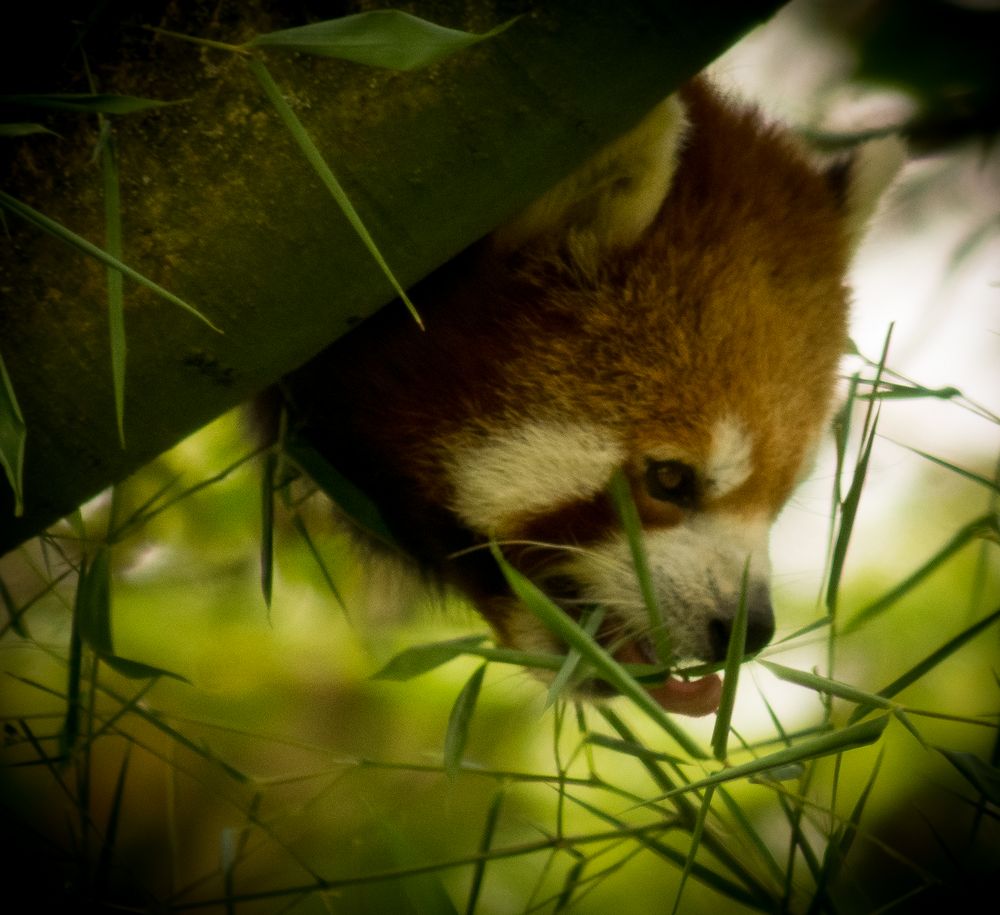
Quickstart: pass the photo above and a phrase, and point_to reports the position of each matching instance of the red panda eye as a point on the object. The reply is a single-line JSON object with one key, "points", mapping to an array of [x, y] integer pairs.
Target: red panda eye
{"points": [[672, 481]]}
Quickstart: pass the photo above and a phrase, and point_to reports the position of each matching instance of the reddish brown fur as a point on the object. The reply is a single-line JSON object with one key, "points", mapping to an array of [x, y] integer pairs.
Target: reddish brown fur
{"points": [[731, 305]]}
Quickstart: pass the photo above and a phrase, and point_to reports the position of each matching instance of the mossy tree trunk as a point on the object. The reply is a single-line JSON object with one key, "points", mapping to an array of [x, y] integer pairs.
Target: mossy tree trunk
{"points": [[219, 205]]}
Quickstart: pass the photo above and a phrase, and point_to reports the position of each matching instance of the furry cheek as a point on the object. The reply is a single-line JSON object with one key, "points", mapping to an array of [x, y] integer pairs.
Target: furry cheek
{"points": [[527, 470], [697, 569]]}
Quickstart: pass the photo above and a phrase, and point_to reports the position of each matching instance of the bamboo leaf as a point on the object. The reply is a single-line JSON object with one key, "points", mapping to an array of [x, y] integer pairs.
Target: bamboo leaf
{"points": [[24, 129], [848, 515], [93, 603], [354, 503], [198, 748], [57, 230], [985, 527], [571, 662], [710, 876], [13, 434], [838, 848], [857, 735], [976, 478], [86, 103], [825, 685], [696, 833], [848, 508], [485, 843], [930, 662], [69, 734], [116, 300], [734, 658], [460, 720], [326, 175], [303, 531], [633, 748], [103, 870], [380, 38], [602, 662], [890, 391], [423, 889], [423, 658], [137, 670], [570, 884], [981, 775], [621, 497], [267, 527]]}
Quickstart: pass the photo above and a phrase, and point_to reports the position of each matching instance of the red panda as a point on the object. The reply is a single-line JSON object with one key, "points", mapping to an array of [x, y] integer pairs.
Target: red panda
{"points": [[676, 310]]}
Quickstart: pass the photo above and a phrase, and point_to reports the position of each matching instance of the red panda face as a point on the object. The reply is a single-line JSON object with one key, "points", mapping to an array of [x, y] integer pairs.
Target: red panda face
{"points": [[675, 311]]}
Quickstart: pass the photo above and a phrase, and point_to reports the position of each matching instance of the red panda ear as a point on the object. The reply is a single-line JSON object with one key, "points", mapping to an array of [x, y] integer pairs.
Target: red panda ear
{"points": [[861, 180], [607, 203]]}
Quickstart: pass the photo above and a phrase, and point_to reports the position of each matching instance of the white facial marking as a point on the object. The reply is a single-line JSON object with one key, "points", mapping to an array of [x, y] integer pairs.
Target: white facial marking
{"points": [[730, 461], [697, 570], [533, 467]]}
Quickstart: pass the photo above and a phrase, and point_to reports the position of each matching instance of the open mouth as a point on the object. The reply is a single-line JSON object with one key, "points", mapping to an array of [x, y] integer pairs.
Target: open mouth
{"points": [[693, 697]]}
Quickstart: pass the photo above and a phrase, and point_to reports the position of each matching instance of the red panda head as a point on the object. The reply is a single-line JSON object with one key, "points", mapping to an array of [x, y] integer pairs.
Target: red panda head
{"points": [[674, 310]]}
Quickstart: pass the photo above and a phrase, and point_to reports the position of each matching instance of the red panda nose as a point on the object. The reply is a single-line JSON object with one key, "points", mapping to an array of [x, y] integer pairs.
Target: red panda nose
{"points": [[760, 625]]}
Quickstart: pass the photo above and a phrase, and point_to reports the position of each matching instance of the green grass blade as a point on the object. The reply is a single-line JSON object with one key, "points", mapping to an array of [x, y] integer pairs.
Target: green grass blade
{"points": [[485, 843], [985, 527], [380, 38], [113, 243], [851, 830], [848, 515], [820, 623], [976, 478], [710, 876], [841, 428], [102, 876], [564, 677], [978, 773], [839, 741], [422, 886], [354, 503], [460, 720], [13, 434], [57, 230], [93, 603], [199, 749], [930, 662], [570, 884], [267, 527], [621, 497], [746, 826], [423, 658], [326, 175], [153, 507], [696, 833], [86, 103], [137, 670], [632, 748], [24, 129], [574, 637], [847, 507], [839, 846], [69, 734], [891, 391], [734, 658], [826, 686], [303, 531]]}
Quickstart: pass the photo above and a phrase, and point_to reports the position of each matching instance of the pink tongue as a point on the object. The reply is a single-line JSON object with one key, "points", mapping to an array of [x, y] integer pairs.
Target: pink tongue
{"points": [[685, 697], [690, 697]]}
